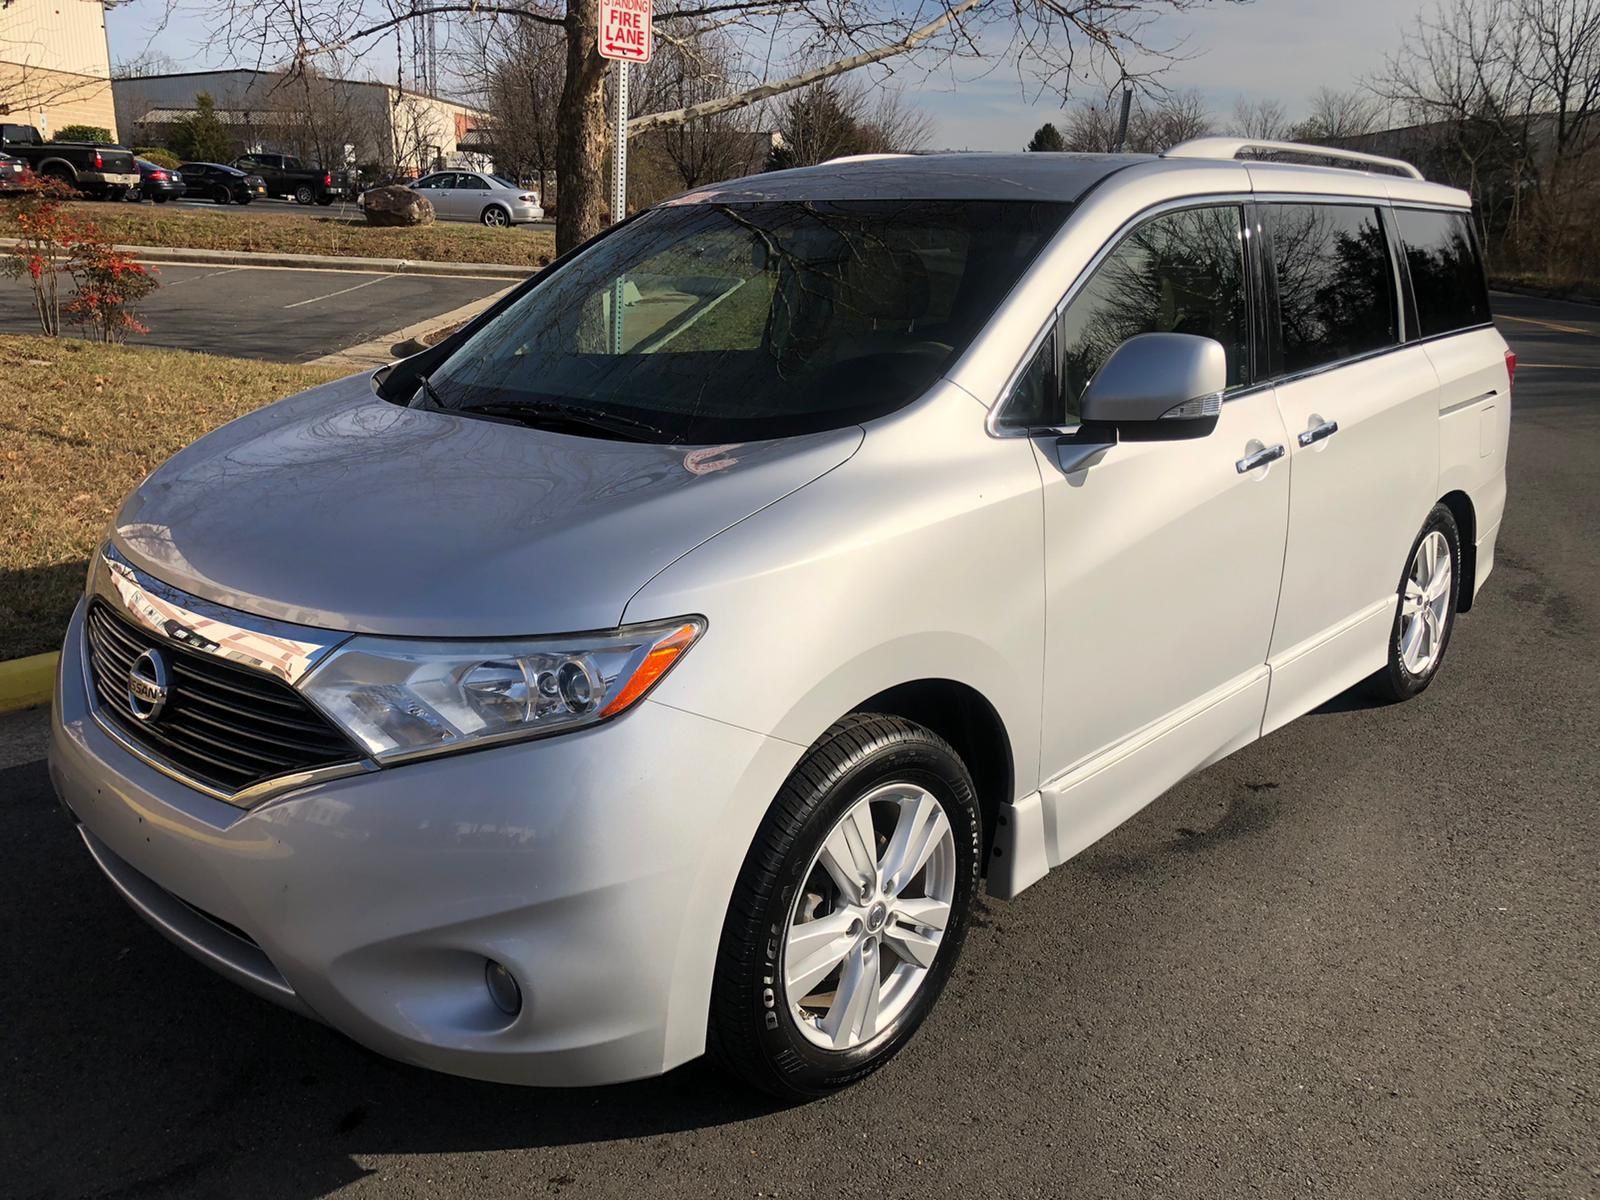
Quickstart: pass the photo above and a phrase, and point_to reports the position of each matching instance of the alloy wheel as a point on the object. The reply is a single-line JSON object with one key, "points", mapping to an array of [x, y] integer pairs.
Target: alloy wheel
{"points": [[1425, 604], [868, 920]]}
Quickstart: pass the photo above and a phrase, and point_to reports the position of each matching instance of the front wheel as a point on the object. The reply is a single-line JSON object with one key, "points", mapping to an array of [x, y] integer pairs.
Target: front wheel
{"points": [[850, 909], [1429, 591], [222, 196]]}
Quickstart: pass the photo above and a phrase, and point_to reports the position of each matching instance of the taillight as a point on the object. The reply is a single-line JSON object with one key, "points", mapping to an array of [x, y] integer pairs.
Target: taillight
{"points": [[528, 198], [99, 162], [1511, 372], [327, 179], [158, 174]]}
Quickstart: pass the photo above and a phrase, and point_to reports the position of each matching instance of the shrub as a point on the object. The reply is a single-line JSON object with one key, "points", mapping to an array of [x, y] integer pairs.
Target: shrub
{"points": [[109, 284], [161, 158], [44, 247], [84, 133]]}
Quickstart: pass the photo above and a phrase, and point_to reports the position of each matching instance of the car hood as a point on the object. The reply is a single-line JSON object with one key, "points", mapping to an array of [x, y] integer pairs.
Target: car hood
{"points": [[337, 509]]}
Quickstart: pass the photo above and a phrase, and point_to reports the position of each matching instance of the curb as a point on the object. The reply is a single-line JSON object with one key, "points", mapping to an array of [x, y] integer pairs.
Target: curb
{"points": [[402, 343], [25, 682], [320, 262]]}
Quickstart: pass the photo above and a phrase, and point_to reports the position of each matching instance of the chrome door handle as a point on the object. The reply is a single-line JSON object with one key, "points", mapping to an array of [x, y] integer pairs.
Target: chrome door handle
{"points": [[1259, 459], [1314, 435]]}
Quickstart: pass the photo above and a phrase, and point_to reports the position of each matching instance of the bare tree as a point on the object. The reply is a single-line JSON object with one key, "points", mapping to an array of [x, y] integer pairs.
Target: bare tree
{"points": [[1059, 40], [1264, 119], [1336, 115], [1155, 123]]}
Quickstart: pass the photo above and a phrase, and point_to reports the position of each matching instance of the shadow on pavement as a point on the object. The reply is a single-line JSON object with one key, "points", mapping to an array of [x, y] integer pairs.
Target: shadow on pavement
{"points": [[131, 1070]]}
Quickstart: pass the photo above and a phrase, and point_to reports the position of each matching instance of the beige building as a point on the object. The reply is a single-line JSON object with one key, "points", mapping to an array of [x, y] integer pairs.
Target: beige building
{"points": [[338, 122], [55, 68]]}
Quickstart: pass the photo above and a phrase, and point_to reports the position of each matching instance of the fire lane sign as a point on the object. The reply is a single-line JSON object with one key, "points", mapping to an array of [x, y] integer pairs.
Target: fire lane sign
{"points": [[625, 29]]}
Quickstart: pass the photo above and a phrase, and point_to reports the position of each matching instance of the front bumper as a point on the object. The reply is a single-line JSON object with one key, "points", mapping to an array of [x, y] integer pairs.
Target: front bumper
{"points": [[596, 866]]}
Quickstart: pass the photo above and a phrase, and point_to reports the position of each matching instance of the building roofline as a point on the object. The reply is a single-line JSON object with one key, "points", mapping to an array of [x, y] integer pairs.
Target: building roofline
{"points": [[377, 83]]}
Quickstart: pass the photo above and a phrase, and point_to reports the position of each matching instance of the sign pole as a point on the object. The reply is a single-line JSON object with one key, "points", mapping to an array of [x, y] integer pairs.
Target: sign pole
{"points": [[619, 193]]}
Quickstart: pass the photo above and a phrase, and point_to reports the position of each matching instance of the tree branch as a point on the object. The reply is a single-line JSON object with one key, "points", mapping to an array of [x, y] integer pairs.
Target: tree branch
{"points": [[765, 91]]}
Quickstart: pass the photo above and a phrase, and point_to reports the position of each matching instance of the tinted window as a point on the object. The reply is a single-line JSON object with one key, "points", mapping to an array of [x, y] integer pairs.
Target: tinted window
{"points": [[470, 181], [752, 320], [1182, 272], [1446, 273], [1336, 295]]}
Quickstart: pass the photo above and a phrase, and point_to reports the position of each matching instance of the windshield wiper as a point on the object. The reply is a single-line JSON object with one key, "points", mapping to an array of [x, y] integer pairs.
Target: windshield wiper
{"points": [[544, 413]]}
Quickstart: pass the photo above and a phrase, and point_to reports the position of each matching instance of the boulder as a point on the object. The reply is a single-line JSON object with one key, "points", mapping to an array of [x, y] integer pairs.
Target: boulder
{"points": [[396, 205]]}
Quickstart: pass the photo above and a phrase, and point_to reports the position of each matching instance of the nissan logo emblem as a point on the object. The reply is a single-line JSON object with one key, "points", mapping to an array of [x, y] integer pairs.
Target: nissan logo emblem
{"points": [[147, 685]]}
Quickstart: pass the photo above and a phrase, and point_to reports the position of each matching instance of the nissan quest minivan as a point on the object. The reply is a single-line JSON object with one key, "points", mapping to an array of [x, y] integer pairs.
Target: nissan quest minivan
{"points": [[664, 662]]}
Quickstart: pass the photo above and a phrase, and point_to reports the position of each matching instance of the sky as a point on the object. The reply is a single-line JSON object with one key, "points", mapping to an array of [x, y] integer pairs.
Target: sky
{"points": [[1267, 49]]}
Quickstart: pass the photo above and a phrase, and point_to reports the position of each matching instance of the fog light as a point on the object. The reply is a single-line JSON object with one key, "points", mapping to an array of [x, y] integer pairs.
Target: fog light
{"points": [[503, 989]]}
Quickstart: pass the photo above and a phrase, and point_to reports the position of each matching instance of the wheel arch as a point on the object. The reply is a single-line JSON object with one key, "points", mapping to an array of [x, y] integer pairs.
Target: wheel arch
{"points": [[57, 167], [1461, 508], [964, 717]]}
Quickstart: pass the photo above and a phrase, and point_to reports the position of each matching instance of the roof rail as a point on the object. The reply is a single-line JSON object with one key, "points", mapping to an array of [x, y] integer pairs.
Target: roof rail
{"points": [[1230, 147]]}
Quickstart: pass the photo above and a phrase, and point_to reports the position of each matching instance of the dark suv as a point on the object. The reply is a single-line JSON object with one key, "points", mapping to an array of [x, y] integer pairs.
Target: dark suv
{"points": [[286, 175]]}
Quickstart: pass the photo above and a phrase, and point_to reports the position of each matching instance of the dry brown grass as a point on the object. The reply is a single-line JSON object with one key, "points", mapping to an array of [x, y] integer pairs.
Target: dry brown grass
{"points": [[344, 236], [80, 424]]}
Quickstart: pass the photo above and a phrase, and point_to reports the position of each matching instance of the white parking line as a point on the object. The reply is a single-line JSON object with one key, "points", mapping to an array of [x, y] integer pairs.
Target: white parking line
{"points": [[340, 292], [207, 275]]}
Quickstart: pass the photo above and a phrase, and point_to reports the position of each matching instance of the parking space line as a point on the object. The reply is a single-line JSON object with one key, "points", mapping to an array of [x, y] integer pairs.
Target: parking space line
{"points": [[1548, 324], [196, 278], [340, 292]]}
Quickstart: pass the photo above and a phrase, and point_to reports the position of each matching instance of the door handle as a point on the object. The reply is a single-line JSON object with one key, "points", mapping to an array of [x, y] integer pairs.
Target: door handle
{"points": [[1259, 459], [1315, 434]]}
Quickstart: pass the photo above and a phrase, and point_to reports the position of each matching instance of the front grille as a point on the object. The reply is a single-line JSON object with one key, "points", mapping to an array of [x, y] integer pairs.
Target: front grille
{"points": [[224, 726]]}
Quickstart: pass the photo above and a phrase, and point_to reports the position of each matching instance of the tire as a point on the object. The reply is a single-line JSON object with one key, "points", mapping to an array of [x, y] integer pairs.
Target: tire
{"points": [[246, 198], [222, 196], [495, 217], [303, 194], [325, 201], [1411, 668], [891, 769]]}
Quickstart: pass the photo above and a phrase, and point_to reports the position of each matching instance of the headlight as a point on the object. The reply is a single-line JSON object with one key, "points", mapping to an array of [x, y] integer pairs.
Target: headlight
{"points": [[401, 698]]}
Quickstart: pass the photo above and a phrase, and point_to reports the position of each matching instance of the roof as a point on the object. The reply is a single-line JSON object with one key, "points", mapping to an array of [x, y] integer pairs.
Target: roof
{"points": [[970, 176], [133, 80]]}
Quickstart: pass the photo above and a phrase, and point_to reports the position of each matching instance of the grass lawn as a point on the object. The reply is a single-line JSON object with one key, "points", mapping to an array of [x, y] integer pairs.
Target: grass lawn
{"points": [[228, 229], [80, 424]]}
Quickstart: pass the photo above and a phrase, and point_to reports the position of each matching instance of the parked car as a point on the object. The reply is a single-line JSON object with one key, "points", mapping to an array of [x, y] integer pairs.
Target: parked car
{"points": [[286, 175], [222, 184], [668, 659], [158, 184], [13, 173], [99, 172], [478, 196]]}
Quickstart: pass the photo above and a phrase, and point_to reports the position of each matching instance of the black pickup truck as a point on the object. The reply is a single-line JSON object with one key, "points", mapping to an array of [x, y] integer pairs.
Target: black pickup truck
{"points": [[286, 175], [104, 172]]}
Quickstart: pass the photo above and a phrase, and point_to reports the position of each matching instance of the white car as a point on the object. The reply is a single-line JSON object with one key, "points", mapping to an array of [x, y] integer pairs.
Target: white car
{"points": [[667, 660], [479, 196]]}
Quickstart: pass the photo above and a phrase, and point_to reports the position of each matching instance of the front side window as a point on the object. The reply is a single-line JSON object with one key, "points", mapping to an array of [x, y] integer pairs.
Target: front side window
{"points": [[1446, 273], [1336, 293], [1181, 272], [741, 321]]}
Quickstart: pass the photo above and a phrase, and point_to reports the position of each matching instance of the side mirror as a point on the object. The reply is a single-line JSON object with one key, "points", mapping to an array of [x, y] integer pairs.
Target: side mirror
{"points": [[1159, 386]]}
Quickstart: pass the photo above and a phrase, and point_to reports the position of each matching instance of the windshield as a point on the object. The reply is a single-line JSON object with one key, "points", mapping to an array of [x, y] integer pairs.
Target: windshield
{"points": [[712, 323]]}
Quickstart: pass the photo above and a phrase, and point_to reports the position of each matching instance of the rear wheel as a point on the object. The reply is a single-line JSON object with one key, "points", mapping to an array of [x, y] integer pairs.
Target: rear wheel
{"points": [[1429, 592], [495, 216], [303, 194], [221, 195], [850, 910]]}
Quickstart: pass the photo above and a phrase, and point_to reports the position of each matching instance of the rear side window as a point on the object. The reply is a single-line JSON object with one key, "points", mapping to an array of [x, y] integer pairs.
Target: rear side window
{"points": [[1182, 272], [1446, 272], [1336, 293]]}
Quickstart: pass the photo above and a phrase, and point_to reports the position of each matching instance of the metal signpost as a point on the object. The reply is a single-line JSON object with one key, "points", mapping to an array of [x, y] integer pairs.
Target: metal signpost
{"points": [[626, 35]]}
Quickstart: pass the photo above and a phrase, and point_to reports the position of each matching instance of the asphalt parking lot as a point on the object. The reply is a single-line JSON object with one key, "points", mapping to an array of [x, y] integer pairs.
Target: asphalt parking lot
{"points": [[273, 313], [1360, 958]]}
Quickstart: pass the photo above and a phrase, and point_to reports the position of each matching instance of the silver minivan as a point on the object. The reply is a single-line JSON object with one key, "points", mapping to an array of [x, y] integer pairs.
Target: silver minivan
{"points": [[664, 662]]}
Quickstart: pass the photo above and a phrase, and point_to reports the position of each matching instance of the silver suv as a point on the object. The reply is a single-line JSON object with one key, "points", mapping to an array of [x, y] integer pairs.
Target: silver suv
{"points": [[665, 661]]}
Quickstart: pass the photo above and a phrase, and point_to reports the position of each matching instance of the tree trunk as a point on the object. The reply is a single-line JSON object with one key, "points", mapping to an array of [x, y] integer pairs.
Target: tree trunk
{"points": [[581, 132]]}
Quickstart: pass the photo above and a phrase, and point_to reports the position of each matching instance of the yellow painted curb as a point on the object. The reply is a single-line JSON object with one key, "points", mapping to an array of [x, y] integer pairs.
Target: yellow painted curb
{"points": [[25, 682]]}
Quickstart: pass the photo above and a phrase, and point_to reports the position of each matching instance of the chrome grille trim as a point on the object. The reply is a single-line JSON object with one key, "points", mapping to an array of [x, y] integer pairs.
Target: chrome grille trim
{"points": [[241, 733]]}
